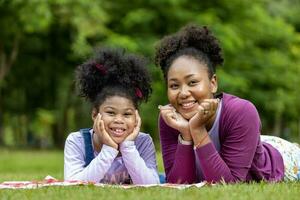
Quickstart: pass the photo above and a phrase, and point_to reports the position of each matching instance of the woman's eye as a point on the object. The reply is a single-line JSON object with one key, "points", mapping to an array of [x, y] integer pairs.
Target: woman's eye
{"points": [[173, 86], [193, 83], [128, 114]]}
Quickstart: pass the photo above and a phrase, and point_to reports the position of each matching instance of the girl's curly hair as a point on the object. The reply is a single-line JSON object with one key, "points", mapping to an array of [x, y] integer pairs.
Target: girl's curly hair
{"points": [[191, 40], [113, 72]]}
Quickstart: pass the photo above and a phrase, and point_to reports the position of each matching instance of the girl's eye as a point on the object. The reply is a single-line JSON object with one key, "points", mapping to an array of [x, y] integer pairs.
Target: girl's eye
{"points": [[128, 114], [110, 112]]}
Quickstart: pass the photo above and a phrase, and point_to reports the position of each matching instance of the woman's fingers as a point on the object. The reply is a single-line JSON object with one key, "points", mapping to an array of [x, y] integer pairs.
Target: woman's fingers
{"points": [[169, 114], [166, 107], [209, 106]]}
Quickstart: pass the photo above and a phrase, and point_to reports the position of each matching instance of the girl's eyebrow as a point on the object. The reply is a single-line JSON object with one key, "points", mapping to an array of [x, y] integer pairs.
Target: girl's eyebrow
{"points": [[109, 107], [114, 108], [131, 109]]}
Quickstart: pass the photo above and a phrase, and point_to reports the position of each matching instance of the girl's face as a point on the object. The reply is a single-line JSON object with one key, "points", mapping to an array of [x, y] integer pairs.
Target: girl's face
{"points": [[188, 84], [118, 115]]}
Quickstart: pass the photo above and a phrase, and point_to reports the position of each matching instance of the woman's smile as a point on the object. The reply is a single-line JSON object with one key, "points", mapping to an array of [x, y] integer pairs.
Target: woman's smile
{"points": [[188, 105]]}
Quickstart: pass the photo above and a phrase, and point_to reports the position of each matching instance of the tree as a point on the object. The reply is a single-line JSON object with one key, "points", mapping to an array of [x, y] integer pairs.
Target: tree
{"points": [[39, 51]]}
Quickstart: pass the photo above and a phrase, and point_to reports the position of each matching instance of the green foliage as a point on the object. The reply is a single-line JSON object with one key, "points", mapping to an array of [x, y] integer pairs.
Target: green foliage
{"points": [[260, 38]]}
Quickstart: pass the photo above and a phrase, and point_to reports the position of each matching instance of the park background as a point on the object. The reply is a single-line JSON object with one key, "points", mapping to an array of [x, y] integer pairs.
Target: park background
{"points": [[42, 42]]}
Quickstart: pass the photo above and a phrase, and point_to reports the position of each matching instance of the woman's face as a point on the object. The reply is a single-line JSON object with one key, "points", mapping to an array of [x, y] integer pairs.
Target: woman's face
{"points": [[118, 115], [188, 84]]}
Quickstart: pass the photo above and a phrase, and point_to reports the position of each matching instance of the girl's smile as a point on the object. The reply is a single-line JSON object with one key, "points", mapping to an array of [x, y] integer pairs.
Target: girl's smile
{"points": [[118, 115]]}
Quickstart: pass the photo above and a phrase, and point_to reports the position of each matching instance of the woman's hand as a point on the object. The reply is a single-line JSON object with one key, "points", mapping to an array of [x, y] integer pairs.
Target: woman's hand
{"points": [[176, 121], [104, 137], [136, 130], [206, 110]]}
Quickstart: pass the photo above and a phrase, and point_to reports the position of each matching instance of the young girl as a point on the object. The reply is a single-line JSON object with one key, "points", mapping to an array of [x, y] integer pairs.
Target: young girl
{"points": [[212, 137], [113, 151]]}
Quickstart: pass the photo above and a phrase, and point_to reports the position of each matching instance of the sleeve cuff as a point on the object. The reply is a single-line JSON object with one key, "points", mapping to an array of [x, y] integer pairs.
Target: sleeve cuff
{"points": [[206, 150], [183, 150], [184, 142], [109, 149], [127, 145]]}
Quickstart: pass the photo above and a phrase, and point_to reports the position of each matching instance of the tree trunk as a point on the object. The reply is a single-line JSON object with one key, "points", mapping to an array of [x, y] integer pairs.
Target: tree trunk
{"points": [[278, 124], [6, 62], [60, 127], [1, 120]]}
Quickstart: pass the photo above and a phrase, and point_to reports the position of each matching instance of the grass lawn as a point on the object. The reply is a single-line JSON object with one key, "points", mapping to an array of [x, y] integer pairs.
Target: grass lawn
{"points": [[35, 165]]}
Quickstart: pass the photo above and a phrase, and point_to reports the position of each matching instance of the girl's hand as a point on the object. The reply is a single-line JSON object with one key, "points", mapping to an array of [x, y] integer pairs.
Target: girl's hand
{"points": [[206, 110], [176, 121], [102, 134], [136, 130]]}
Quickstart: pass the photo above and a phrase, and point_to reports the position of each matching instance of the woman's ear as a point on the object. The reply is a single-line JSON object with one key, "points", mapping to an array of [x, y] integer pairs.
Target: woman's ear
{"points": [[94, 113], [214, 84]]}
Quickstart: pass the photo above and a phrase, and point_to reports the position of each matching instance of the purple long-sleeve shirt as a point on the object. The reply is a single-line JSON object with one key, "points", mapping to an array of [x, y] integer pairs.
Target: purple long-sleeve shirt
{"points": [[137, 163], [242, 156]]}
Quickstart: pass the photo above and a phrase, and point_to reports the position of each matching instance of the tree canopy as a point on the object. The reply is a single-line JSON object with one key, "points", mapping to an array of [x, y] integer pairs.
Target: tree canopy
{"points": [[41, 43]]}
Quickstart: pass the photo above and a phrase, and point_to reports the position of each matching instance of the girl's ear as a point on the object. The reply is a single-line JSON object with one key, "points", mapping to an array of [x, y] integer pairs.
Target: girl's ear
{"points": [[94, 113], [214, 84]]}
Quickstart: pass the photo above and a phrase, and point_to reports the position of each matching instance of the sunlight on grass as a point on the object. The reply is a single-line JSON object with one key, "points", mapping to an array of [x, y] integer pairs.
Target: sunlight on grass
{"points": [[30, 165], [35, 165]]}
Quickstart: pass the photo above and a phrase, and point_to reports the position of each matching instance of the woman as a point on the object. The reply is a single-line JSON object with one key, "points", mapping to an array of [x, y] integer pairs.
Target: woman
{"points": [[212, 137]]}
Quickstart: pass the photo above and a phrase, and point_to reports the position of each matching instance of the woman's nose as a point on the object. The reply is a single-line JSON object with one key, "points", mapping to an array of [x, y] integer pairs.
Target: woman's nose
{"points": [[184, 92]]}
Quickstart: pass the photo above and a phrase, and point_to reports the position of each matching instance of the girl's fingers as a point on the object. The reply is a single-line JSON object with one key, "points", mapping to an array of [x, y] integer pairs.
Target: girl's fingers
{"points": [[96, 124], [137, 127], [102, 128], [138, 119]]}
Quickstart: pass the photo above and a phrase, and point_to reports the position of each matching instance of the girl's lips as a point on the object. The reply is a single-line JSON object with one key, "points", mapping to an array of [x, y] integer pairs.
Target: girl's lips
{"points": [[117, 131]]}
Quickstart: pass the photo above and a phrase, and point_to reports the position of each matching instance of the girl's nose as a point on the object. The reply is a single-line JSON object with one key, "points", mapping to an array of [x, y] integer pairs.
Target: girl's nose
{"points": [[119, 119]]}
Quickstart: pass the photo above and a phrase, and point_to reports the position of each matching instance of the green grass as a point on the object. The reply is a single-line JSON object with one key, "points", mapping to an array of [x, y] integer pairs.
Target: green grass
{"points": [[35, 165], [30, 165]]}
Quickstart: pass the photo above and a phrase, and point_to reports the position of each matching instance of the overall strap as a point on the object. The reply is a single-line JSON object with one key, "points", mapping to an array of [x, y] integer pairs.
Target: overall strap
{"points": [[89, 152]]}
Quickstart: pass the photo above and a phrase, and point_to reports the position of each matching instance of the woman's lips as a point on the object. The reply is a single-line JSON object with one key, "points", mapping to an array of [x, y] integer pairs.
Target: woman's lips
{"points": [[188, 105]]}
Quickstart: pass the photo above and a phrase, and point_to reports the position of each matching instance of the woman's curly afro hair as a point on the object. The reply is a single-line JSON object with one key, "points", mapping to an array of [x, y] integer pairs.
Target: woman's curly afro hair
{"points": [[112, 72], [191, 40]]}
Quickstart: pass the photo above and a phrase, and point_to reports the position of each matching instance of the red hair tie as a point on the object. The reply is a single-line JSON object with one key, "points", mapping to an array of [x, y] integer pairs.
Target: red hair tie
{"points": [[101, 68], [138, 93]]}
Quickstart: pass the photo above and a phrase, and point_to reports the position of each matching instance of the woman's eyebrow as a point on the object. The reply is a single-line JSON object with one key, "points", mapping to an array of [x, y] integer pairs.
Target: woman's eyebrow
{"points": [[186, 77]]}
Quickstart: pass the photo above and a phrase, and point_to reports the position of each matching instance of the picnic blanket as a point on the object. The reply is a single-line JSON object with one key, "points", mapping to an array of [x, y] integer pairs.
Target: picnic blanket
{"points": [[50, 181]]}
